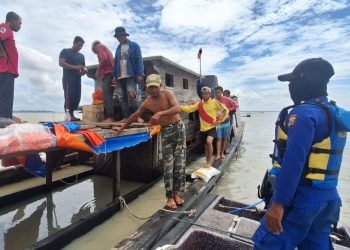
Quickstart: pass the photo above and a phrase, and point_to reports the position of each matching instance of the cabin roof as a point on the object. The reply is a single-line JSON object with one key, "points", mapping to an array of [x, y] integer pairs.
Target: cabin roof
{"points": [[166, 60]]}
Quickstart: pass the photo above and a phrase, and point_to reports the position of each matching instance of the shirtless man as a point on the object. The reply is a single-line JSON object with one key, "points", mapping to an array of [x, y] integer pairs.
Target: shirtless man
{"points": [[164, 106]]}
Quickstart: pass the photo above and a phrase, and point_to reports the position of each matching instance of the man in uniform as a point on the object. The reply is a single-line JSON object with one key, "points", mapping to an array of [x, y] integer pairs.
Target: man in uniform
{"points": [[308, 150], [73, 64], [164, 106], [8, 63]]}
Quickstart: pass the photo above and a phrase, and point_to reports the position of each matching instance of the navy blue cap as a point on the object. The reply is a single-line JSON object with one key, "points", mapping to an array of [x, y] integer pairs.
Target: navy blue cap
{"points": [[120, 31], [315, 70]]}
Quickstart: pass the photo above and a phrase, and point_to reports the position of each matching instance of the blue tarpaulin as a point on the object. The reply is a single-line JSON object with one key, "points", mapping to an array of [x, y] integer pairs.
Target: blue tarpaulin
{"points": [[35, 165], [120, 142], [71, 126]]}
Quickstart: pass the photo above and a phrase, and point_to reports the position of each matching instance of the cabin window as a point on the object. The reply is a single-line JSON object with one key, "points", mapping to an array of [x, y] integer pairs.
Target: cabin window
{"points": [[169, 80], [185, 83]]}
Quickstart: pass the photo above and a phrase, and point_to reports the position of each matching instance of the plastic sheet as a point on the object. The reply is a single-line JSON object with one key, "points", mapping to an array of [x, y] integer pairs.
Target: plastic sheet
{"points": [[68, 140], [94, 138], [72, 127], [17, 138], [34, 165], [120, 142]]}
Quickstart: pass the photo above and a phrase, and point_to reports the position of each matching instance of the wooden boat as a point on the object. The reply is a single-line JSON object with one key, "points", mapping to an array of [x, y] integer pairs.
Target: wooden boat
{"points": [[161, 222], [140, 163], [215, 228]]}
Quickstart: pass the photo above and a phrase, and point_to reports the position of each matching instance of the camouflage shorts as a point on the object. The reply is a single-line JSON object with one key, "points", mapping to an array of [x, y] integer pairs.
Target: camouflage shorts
{"points": [[174, 157]]}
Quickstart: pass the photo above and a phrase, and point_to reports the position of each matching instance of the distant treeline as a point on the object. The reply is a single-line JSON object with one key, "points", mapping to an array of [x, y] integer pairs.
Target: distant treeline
{"points": [[32, 111]]}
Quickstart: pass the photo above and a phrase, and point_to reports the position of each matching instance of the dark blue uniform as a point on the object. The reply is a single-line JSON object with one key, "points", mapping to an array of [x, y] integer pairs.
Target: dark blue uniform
{"points": [[71, 80], [308, 212]]}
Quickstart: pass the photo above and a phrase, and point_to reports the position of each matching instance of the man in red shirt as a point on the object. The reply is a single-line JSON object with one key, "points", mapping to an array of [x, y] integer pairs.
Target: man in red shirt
{"points": [[105, 72], [223, 131], [8, 63]]}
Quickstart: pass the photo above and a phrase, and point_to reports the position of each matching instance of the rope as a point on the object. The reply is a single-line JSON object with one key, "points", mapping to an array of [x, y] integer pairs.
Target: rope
{"points": [[124, 205], [69, 183], [190, 213], [245, 208], [215, 229], [255, 209]]}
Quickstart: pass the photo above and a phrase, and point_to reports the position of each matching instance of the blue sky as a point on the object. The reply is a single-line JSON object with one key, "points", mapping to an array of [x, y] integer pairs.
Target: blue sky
{"points": [[246, 43]]}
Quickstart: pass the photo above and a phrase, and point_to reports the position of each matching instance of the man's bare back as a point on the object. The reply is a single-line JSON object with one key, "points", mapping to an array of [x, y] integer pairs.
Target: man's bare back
{"points": [[164, 101]]}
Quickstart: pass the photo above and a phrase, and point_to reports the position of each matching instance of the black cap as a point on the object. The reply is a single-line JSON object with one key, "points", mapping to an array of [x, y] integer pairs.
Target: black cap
{"points": [[119, 31], [315, 70]]}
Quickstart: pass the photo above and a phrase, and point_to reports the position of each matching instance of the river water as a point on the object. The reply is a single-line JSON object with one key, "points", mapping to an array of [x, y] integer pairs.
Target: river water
{"points": [[239, 183]]}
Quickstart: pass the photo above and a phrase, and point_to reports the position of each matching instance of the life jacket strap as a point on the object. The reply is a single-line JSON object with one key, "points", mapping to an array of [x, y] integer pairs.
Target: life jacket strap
{"points": [[326, 151], [323, 171], [273, 157]]}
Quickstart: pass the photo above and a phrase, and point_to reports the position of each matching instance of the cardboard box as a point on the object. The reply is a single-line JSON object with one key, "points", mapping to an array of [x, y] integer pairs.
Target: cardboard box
{"points": [[93, 113]]}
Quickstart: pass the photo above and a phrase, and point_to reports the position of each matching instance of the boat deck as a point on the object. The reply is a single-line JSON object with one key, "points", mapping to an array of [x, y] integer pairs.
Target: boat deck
{"points": [[162, 222], [214, 228]]}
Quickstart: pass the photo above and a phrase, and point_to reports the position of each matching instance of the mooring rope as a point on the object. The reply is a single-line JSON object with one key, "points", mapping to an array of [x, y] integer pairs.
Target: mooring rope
{"points": [[190, 213], [69, 183], [245, 208], [254, 209]]}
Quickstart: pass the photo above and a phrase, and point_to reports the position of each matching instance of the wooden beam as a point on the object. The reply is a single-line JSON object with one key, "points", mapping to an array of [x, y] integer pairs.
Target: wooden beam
{"points": [[116, 175], [48, 170]]}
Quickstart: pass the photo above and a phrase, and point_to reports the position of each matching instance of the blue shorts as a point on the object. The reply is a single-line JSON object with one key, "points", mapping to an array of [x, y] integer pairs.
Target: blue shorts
{"points": [[223, 131]]}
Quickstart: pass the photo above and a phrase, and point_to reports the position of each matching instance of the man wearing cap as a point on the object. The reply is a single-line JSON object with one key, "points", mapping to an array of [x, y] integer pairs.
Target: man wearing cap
{"points": [[73, 64], [164, 106], [306, 161], [211, 113], [8, 63], [128, 71], [105, 72]]}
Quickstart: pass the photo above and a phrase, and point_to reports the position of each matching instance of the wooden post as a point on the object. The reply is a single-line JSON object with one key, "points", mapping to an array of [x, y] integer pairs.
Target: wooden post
{"points": [[116, 175], [50, 164], [155, 157], [54, 159]]}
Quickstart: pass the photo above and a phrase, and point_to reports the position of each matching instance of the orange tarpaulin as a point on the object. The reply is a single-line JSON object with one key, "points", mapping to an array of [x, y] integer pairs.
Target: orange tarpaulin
{"points": [[68, 140], [94, 138], [156, 130]]}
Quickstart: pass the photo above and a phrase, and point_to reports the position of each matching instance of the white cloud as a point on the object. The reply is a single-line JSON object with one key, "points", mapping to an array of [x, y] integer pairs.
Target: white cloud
{"points": [[245, 43], [180, 17]]}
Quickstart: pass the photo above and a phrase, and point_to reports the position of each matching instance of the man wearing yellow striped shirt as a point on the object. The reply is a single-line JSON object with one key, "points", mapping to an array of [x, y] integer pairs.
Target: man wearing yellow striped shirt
{"points": [[211, 113]]}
